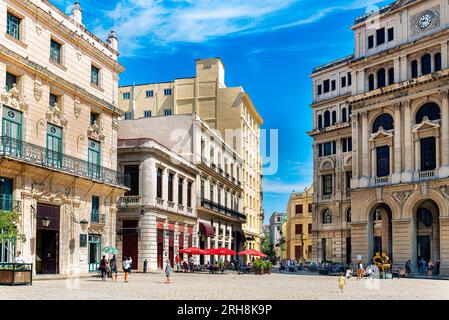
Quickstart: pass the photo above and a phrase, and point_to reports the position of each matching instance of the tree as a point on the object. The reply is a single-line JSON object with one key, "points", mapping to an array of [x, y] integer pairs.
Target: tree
{"points": [[266, 247], [8, 227]]}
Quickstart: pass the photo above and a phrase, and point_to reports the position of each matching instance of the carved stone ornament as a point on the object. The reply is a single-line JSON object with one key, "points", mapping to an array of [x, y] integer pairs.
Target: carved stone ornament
{"points": [[56, 116], [95, 132], [401, 197], [38, 91], [114, 123], [445, 191], [77, 107], [13, 99]]}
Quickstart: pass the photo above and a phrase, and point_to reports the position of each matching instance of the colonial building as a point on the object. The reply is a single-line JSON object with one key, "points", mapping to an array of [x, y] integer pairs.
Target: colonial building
{"points": [[298, 234], [191, 194], [276, 235], [381, 139], [228, 109], [58, 136]]}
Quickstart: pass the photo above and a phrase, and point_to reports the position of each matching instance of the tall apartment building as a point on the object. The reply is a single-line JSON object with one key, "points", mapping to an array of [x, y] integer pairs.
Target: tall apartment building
{"points": [[186, 191], [277, 219], [227, 109], [298, 235], [58, 136], [381, 139]]}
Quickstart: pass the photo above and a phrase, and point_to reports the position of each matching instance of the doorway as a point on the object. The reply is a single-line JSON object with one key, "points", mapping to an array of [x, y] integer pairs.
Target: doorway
{"points": [[424, 248], [131, 241], [94, 252], [47, 239], [160, 248]]}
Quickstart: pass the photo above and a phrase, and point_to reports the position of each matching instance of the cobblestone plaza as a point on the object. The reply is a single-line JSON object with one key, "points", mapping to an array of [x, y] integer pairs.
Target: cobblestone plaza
{"points": [[229, 287]]}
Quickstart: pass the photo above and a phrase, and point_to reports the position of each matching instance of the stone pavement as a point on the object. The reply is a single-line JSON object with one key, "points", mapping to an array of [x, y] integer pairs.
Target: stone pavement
{"points": [[228, 287]]}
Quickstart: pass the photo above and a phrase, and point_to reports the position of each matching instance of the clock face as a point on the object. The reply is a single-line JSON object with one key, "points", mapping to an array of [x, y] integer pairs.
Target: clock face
{"points": [[425, 20]]}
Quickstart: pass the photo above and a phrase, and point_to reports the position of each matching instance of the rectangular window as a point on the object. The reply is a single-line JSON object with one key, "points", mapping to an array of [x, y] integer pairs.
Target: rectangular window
{"points": [[11, 80], [370, 42], [320, 89], [167, 112], [93, 117], [350, 144], [428, 154], [320, 150], [348, 180], [298, 229], [129, 116], [167, 92], [55, 51], [327, 149], [13, 26], [326, 85], [147, 114], [170, 187], [11, 131], [380, 36], [334, 85], [149, 93], [327, 184], [95, 214], [189, 194], [94, 75], [126, 95], [53, 99], [203, 194], [343, 82], [93, 158], [310, 208], [159, 183], [309, 231], [349, 78], [54, 146], [383, 161], [298, 209], [390, 34]]}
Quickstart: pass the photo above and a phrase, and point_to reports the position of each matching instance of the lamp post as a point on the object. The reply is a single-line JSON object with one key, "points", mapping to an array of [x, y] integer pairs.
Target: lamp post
{"points": [[45, 221]]}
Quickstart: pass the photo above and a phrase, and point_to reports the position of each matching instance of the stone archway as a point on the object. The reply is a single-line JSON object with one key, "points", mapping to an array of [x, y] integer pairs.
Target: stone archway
{"points": [[380, 231]]}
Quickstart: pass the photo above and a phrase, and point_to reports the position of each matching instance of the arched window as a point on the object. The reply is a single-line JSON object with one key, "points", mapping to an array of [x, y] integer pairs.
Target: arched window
{"points": [[320, 121], [430, 110], [390, 76], [327, 119], [344, 116], [385, 121], [371, 82], [334, 117], [381, 78], [426, 64], [414, 69], [437, 61], [327, 216], [348, 215]]}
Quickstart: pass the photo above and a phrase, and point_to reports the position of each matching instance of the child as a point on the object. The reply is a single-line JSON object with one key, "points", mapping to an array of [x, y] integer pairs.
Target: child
{"points": [[341, 282], [167, 271]]}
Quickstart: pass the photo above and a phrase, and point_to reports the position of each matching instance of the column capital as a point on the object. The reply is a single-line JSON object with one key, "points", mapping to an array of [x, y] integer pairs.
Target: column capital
{"points": [[397, 106], [444, 93], [407, 103], [364, 114]]}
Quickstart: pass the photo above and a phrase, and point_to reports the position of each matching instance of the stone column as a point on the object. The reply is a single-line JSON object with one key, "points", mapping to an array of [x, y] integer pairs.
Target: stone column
{"points": [[417, 155], [444, 245], [373, 161], [444, 56], [390, 147], [148, 241], [397, 69], [438, 154], [397, 140], [445, 128], [365, 144], [355, 153], [408, 139]]}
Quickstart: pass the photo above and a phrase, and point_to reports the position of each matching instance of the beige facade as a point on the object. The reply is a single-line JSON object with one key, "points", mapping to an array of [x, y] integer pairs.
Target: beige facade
{"points": [[298, 227], [394, 196], [59, 131], [191, 151], [230, 110]]}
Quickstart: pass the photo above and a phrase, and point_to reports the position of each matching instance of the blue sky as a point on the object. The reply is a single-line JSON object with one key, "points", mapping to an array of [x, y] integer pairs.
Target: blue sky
{"points": [[268, 46]]}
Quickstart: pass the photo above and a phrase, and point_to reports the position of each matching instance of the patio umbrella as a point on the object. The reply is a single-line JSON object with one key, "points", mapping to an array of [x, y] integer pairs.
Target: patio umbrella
{"points": [[252, 252], [192, 250], [221, 252], [110, 250]]}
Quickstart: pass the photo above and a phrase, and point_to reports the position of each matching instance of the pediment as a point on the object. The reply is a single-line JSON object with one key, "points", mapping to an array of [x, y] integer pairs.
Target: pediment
{"points": [[427, 124], [382, 134], [327, 164]]}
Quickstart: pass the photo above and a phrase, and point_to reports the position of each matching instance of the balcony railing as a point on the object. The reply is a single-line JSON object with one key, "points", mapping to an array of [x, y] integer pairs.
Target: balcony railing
{"points": [[222, 209], [326, 197], [42, 157], [130, 201], [425, 175], [8, 204], [98, 218], [381, 180]]}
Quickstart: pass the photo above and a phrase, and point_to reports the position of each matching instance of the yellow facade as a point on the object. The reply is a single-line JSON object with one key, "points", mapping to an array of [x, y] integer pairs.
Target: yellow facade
{"points": [[226, 109], [298, 236]]}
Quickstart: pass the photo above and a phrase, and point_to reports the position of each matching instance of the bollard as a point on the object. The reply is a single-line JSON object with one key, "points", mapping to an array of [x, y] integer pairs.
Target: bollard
{"points": [[145, 264]]}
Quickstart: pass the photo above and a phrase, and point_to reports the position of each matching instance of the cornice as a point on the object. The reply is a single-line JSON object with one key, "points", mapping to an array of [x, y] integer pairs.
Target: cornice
{"points": [[52, 77]]}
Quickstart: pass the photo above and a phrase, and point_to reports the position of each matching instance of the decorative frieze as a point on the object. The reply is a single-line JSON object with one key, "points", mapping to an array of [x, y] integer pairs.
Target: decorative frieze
{"points": [[56, 116], [95, 132], [13, 99]]}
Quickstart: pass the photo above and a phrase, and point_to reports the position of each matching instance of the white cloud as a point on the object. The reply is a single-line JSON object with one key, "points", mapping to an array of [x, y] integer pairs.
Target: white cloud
{"points": [[278, 186], [146, 24]]}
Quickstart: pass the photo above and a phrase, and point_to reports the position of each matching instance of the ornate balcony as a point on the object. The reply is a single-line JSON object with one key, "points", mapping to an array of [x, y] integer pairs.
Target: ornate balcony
{"points": [[222, 209], [427, 175], [130, 201], [381, 180], [42, 157], [97, 218]]}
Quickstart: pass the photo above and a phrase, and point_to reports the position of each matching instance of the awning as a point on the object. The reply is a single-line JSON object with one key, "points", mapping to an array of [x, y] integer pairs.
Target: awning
{"points": [[207, 229]]}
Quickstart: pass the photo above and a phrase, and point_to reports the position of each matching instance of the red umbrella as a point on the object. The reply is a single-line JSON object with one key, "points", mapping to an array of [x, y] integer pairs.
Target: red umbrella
{"points": [[193, 250], [252, 252], [221, 252]]}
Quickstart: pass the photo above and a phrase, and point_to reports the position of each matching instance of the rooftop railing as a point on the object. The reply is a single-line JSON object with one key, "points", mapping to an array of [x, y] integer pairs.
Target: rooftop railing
{"points": [[222, 209]]}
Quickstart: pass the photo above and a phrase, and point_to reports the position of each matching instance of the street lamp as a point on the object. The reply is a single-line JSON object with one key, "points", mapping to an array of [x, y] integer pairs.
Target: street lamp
{"points": [[45, 221], [84, 224]]}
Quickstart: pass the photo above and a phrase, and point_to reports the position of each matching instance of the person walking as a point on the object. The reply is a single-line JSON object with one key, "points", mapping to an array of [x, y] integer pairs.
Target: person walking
{"points": [[422, 266], [103, 268], [408, 269], [288, 265], [113, 267], [360, 270], [178, 262], [126, 264], [279, 265], [430, 267], [167, 271], [341, 282]]}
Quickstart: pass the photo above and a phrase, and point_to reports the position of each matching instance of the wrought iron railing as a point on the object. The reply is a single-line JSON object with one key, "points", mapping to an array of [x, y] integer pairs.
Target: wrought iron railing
{"points": [[222, 209], [8, 204], [130, 201], [97, 218], [39, 156]]}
